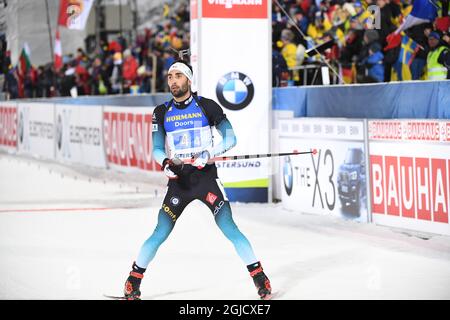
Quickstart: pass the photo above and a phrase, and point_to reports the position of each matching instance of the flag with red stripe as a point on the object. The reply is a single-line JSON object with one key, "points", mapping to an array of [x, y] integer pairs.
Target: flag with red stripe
{"points": [[73, 14], [24, 63], [23, 66], [58, 51]]}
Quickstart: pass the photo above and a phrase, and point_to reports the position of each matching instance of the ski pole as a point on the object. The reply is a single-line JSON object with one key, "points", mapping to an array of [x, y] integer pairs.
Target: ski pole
{"points": [[255, 156], [262, 155]]}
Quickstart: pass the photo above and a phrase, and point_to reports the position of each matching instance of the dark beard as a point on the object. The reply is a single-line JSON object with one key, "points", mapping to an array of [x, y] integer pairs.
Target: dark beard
{"points": [[180, 92]]}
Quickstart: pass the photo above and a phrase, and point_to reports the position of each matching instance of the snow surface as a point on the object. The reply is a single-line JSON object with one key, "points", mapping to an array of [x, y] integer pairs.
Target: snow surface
{"points": [[70, 233]]}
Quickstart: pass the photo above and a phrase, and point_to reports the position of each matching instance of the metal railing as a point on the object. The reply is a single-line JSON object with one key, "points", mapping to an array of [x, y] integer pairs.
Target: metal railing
{"points": [[320, 72]]}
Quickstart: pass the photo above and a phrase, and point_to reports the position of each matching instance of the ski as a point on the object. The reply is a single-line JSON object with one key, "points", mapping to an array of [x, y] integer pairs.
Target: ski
{"points": [[118, 297], [270, 296], [267, 297]]}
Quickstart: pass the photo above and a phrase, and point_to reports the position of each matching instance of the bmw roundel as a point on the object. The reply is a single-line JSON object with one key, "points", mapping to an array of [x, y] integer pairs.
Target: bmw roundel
{"points": [[235, 90], [288, 176]]}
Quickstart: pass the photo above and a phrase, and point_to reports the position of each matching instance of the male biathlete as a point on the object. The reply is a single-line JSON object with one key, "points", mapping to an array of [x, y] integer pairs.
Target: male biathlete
{"points": [[185, 123]]}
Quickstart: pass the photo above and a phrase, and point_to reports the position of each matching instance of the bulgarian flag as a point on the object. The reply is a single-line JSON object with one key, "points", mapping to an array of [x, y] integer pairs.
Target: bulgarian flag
{"points": [[58, 51], [24, 63], [73, 14]]}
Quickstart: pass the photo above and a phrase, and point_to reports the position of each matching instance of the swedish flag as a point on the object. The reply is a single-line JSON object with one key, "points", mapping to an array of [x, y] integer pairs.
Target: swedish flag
{"points": [[408, 50], [406, 56]]}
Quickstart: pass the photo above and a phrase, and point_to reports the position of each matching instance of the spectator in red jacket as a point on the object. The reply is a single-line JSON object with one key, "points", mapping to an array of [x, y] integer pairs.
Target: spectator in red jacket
{"points": [[129, 71]]}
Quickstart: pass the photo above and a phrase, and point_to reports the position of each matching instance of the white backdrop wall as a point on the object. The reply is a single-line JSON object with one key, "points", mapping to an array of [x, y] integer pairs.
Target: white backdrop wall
{"points": [[79, 135], [334, 180], [231, 56], [36, 129]]}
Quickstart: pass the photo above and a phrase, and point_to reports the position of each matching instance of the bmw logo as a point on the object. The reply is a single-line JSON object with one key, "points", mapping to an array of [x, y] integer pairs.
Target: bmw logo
{"points": [[235, 91], [175, 201], [288, 176]]}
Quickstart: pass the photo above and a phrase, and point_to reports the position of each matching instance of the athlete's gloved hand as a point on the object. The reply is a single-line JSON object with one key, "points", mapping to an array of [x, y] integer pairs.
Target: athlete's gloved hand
{"points": [[172, 167], [201, 159]]}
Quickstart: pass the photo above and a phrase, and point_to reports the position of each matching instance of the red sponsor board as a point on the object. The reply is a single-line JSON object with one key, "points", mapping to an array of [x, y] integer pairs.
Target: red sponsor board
{"points": [[248, 9], [392, 186], [410, 187], [422, 170], [377, 183], [423, 131], [439, 189], [128, 140], [385, 130], [8, 126], [410, 130], [407, 187]]}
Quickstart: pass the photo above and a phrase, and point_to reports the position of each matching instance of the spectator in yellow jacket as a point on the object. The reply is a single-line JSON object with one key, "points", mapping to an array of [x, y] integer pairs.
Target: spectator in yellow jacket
{"points": [[289, 51]]}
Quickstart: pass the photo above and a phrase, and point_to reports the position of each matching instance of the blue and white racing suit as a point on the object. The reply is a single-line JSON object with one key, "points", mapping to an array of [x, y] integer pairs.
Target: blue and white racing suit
{"points": [[186, 128]]}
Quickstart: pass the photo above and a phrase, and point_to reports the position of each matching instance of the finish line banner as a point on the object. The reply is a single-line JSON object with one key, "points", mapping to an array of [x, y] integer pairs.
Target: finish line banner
{"points": [[231, 57]]}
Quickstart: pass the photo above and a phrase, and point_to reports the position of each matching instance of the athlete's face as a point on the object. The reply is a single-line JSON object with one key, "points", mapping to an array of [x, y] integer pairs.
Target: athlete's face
{"points": [[178, 83]]}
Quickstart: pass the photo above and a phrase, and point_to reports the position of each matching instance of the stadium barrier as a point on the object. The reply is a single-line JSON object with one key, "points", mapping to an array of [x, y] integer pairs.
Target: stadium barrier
{"points": [[108, 136], [389, 172], [402, 164], [333, 181], [393, 100], [409, 169], [118, 138]]}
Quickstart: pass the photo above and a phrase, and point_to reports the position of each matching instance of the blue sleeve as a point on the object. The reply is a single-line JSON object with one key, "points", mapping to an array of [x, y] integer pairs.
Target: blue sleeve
{"points": [[159, 146], [159, 136], [228, 137]]}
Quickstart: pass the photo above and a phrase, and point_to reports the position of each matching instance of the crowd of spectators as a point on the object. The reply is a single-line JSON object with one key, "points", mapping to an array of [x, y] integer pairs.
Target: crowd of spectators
{"points": [[359, 46], [114, 67]]}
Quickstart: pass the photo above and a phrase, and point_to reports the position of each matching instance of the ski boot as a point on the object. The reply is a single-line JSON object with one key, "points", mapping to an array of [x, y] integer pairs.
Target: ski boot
{"points": [[261, 281], [131, 290]]}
